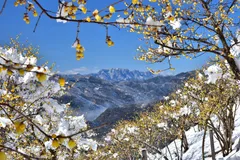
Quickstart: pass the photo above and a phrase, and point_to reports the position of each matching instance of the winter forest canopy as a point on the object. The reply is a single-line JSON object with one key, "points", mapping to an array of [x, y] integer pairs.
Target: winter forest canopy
{"points": [[35, 125]]}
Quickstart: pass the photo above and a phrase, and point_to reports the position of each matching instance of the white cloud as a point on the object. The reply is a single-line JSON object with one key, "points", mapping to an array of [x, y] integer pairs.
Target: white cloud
{"points": [[81, 70]]}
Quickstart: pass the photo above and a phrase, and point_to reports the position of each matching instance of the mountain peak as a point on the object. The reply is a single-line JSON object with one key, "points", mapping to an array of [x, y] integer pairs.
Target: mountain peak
{"points": [[119, 74]]}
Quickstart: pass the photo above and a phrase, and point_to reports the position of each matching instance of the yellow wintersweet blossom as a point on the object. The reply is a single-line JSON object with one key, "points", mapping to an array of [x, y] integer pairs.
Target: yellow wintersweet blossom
{"points": [[109, 42], [125, 12], [61, 82], [35, 14], [88, 19], [9, 72], [26, 18], [41, 77], [20, 127], [71, 144], [111, 9], [98, 18], [135, 1], [55, 144], [84, 10]]}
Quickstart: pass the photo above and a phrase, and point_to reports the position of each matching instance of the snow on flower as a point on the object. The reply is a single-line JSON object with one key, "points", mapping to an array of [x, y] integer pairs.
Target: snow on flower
{"points": [[161, 125], [213, 72], [120, 20], [87, 144], [68, 122], [126, 21], [4, 122], [167, 15], [31, 61], [178, 91], [185, 110], [108, 138], [200, 76], [48, 114], [115, 155], [172, 103], [166, 98], [131, 130], [39, 119], [176, 23], [150, 21], [62, 12], [113, 130]]}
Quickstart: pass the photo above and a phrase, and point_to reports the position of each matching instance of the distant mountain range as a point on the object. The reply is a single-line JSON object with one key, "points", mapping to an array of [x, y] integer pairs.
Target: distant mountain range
{"points": [[94, 94], [118, 74]]}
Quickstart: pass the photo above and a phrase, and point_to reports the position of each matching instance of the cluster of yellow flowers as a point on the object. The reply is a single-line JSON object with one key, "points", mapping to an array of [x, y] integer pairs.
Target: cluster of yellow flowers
{"points": [[70, 10], [57, 141], [97, 16], [109, 42], [19, 2], [30, 8], [26, 18], [79, 51], [80, 1]]}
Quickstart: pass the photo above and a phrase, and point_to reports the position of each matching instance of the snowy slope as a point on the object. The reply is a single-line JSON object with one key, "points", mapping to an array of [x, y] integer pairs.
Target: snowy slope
{"points": [[92, 95], [194, 138]]}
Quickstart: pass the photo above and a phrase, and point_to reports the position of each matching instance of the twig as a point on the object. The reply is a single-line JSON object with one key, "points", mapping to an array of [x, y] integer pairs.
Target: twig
{"points": [[23, 154], [13, 108], [37, 22], [78, 30], [4, 5]]}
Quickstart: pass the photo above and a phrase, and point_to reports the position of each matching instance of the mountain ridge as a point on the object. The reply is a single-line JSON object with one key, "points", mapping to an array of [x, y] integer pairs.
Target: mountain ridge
{"points": [[120, 74], [91, 95]]}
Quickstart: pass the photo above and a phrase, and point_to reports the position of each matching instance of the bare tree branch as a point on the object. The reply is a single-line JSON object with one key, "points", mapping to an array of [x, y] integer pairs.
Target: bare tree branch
{"points": [[3, 6]]}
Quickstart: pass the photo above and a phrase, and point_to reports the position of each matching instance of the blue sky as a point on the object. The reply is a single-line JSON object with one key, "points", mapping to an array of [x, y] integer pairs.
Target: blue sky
{"points": [[55, 40]]}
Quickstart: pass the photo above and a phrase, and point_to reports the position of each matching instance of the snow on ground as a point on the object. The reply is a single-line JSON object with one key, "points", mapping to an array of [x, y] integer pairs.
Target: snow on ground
{"points": [[194, 138]]}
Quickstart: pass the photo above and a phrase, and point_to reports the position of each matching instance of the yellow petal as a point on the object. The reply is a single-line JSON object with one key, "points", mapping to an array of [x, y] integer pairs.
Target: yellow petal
{"points": [[21, 72], [55, 144], [88, 19], [3, 156], [134, 1], [98, 18], [71, 144], [41, 77], [111, 9], [61, 82], [84, 10]]}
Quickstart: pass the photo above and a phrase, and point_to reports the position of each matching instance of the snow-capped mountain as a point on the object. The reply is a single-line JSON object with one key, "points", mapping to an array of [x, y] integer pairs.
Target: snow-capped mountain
{"points": [[118, 74], [91, 95]]}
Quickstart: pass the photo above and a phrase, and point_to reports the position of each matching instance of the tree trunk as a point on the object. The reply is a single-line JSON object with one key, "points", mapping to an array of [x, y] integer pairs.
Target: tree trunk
{"points": [[203, 141], [212, 144], [144, 154], [185, 142], [234, 67]]}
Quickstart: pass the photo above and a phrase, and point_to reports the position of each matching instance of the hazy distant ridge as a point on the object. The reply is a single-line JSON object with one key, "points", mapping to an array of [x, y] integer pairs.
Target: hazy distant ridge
{"points": [[118, 74]]}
